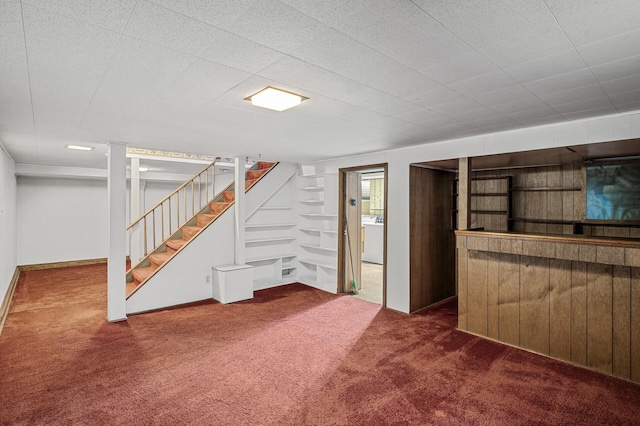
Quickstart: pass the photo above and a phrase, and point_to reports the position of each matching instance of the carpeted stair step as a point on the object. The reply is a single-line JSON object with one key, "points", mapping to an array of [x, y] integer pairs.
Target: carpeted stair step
{"points": [[229, 196], [141, 274], [188, 232], [157, 259], [265, 164], [255, 174], [175, 245], [249, 183], [203, 219], [217, 207]]}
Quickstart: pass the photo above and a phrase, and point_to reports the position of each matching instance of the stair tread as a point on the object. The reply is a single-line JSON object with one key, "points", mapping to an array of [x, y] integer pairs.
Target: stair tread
{"points": [[203, 219], [217, 207], [141, 274], [265, 164], [158, 259], [255, 174], [176, 244]]}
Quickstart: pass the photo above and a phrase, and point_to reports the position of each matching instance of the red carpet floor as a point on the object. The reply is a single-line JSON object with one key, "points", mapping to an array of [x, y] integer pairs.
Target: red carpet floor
{"points": [[291, 356]]}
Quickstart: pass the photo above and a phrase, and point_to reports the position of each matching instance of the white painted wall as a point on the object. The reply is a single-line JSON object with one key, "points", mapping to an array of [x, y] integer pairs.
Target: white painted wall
{"points": [[593, 130], [61, 219], [8, 234]]}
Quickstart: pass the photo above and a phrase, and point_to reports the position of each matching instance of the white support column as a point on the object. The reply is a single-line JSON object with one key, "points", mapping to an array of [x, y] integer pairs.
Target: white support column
{"points": [[136, 234], [239, 209], [116, 269]]}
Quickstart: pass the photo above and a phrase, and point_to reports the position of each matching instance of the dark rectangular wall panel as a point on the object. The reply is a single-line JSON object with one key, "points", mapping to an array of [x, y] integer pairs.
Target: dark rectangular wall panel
{"points": [[534, 304], [493, 268], [431, 242], [462, 289], [477, 292], [579, 312], [599, 317], [621, 321], [509, 299], [560, 309]]}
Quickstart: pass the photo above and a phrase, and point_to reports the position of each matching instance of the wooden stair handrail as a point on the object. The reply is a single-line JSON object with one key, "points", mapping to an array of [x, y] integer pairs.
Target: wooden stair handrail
{"points": [[184, 188]]}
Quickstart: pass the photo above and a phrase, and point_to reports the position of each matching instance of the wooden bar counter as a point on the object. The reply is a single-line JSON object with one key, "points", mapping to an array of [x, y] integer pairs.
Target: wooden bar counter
{"points": [[571, 297]]}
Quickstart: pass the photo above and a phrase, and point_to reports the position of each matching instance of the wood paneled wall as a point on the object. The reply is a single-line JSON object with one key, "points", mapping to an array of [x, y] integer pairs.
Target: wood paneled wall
{"points": [[575, 302], [431, 241]]}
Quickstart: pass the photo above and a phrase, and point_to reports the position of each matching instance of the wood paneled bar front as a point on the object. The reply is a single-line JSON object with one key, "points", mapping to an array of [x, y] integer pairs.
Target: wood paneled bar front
{"points": [[570, 297]]}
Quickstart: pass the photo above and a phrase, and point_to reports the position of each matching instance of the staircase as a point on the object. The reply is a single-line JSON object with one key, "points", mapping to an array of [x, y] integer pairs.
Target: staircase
{"points": [[139, 274]]}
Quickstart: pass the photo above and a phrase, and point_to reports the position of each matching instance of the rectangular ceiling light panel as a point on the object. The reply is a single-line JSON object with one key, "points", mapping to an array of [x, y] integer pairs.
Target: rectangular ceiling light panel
{"points": [[275, 99]]}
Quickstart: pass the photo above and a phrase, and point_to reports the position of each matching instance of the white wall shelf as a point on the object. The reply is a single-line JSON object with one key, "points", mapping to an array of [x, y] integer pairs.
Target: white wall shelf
{"points": [[317, 247], [317, 225], [269, 225], [268, 240], [320, 264]]}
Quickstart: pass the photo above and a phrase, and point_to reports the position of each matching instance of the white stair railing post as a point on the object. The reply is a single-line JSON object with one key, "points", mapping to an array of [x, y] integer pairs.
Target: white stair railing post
{"points": [[116, 268], [134, 207], [239, 210]]}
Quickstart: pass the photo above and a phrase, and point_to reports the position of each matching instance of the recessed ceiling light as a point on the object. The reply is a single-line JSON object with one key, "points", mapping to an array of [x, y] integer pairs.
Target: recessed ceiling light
{"points": [[143, 169], [79, 147], [275, 99]]}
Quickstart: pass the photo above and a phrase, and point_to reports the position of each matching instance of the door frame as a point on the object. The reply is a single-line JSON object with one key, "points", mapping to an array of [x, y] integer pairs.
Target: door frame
{"points": [[342, 256]]}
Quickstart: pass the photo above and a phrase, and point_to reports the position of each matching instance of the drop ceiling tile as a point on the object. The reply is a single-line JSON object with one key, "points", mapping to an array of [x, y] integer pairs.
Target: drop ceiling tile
{"points": [[287, 29], [426, 118], [15, 99], [611, 49], [433, 96], [521, 47], [381, 121], [617, 69], [482, 23], [136, 74], [621, 85], [337, 52], [475, 114], [395, 108], [499, 120], [582, 105], [67, 59], [462, 67], [519, 105], [625, 98], [110, 14], [484, 83], [590, 113], [572, 95], [206, 80], [558, 83], [458, 105], [167, 28], [547, 66], [219, 13], [633, 106], [314, 79], [544, 112], [402, 31], [591, 20], [237, 52], [508, 94]]}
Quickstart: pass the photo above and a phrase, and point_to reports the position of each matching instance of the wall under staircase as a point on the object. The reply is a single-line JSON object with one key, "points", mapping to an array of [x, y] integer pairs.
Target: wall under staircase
{"points": [[187, 277]]}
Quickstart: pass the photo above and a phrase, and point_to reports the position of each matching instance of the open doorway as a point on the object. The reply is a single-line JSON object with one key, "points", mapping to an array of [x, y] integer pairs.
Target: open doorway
{"points": [[362, 237]]}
